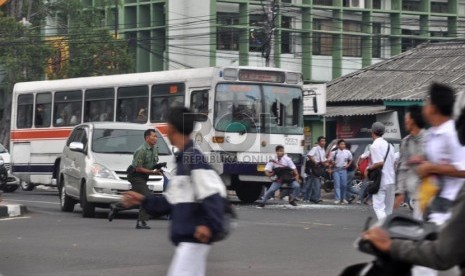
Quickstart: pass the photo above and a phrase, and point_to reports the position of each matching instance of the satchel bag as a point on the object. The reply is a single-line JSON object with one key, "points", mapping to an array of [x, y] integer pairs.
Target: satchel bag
{"points": [[318, 170], [374, 177]]}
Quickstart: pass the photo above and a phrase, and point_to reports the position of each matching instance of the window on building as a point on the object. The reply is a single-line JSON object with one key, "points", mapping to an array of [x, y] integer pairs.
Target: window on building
{"points": [[322, 43], [377, 4], [323, 2], [411, 5], [376, 40], [258, 37], [439, 7], [409, 42], [286, 36], [227, 38], [352, 44]]}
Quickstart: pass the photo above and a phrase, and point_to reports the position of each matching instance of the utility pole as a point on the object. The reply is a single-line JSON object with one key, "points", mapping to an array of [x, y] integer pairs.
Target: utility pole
{"points": [[270, 12], [116, 19]]}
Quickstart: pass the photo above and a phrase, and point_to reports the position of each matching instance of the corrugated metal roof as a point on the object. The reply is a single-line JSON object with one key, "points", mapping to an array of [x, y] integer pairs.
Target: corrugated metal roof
{"points": [[403, 77], [335, 111]]}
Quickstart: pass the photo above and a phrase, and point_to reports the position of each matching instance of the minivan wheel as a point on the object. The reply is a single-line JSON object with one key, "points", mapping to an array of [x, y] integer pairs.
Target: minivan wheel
{"points": [[88, 208], [26, 186], [66, 202]]}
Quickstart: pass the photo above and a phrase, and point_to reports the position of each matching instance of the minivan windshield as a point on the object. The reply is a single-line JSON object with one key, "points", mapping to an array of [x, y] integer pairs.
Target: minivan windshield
{"points": [[123, 141], [2, 149]]}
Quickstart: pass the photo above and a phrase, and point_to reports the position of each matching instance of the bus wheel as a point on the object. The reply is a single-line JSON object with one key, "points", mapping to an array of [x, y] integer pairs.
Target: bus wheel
{"points": [[248, 192], [66, 202], [88, 208], [26, 186]]}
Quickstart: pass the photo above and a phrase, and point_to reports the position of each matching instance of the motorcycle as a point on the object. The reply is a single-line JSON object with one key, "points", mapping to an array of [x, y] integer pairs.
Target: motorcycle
{"points": [[398, 226]]}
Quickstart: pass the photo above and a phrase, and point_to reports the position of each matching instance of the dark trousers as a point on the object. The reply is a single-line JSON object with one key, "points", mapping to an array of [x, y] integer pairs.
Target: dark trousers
{"points": [[139, 185]]}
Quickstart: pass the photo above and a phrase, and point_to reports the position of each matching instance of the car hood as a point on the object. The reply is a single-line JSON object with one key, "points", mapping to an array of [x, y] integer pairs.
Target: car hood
{"points": [[120, 162], [6, 157]]}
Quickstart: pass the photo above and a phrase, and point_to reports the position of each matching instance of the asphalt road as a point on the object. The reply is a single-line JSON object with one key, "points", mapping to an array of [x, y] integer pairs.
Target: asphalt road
{"points": [[278, 240]]}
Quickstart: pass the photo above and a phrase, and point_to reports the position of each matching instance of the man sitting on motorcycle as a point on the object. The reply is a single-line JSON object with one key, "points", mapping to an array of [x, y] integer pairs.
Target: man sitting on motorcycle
{"points": [[278, 169]]}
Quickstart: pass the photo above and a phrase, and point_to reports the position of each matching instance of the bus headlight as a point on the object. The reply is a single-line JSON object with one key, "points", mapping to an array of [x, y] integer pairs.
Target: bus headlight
{"points": [[100, 171]]}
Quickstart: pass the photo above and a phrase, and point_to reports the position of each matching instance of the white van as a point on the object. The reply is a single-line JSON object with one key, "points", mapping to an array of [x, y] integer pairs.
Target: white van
{"points": [[94, 162]]}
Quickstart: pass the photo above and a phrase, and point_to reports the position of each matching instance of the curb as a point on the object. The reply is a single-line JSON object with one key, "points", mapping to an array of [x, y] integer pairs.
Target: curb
{"points": [[12, 210]]}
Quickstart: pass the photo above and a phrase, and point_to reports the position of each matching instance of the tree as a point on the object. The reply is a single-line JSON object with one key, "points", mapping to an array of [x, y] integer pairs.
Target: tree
{"points": [[93, 50], [22, 58], [26, 54]]}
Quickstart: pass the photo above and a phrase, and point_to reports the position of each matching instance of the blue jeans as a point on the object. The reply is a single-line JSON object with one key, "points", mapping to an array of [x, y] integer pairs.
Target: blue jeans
{"points": [[314, 189], [275, 186], [350, 189], [340, 184]]}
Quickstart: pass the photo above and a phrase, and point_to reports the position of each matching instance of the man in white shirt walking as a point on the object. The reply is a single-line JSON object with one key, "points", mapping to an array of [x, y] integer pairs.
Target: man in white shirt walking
{"points": [[383, 200]]}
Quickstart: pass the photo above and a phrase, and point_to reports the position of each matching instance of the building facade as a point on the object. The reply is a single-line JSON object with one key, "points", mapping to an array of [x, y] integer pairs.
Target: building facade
{"points": [[323, 39]]}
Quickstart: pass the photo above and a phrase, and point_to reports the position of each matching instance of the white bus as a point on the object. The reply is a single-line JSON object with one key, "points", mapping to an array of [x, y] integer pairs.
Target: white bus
{"points": [[243, 113]]}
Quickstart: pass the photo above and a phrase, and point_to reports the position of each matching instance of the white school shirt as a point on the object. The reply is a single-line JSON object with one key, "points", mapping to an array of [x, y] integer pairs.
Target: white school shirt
{"points": [[378, 151], [317, 153], [442, 146], [285, 161], [342, 158]]}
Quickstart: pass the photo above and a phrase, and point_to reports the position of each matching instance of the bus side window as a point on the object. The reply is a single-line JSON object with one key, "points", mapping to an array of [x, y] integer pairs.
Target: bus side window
{"points": [[68, 105], [199, 103], [132, 104], [43, 110], [99, 105], [24, 111]]}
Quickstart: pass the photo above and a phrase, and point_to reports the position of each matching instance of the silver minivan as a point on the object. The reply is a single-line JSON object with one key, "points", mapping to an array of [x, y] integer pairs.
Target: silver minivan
{"points": [[94, 162]]}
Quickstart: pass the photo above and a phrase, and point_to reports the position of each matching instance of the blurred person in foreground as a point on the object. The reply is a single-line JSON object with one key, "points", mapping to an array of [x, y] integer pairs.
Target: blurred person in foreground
{"points": [[445, 155], [411, 155], [194, 199]]}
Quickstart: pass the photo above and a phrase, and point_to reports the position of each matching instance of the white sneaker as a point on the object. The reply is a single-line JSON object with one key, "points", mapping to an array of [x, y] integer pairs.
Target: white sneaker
{"points": [[344, 202], [337, 202]]}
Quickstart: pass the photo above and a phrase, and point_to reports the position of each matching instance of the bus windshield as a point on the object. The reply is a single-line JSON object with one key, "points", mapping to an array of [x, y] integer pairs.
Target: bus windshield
{"points": [[258, 108], [123, 141]]}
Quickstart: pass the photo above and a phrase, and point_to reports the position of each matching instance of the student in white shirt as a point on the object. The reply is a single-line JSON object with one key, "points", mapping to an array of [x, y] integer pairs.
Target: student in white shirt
{"points": [[445, 157], [281, 161], [383, 200], [312, 187], [340, 159]]}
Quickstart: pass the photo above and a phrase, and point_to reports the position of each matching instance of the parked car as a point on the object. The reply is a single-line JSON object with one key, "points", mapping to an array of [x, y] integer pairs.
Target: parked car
{"points": [[94, 162], [8, 182]]}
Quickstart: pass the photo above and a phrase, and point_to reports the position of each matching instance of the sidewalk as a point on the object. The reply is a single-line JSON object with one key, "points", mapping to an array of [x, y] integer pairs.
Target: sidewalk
{"points": [[11, 210]]}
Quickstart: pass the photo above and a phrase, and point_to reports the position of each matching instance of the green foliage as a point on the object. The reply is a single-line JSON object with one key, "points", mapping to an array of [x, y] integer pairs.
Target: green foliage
{"points": [[25, 53]]}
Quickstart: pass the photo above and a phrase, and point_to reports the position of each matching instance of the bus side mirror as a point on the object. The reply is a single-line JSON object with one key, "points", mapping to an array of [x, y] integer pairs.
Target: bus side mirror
{"points": [[77, 146]]}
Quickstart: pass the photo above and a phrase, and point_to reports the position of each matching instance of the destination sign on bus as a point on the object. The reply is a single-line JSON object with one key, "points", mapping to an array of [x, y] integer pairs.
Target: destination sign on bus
{"points": [[262, 76]]}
